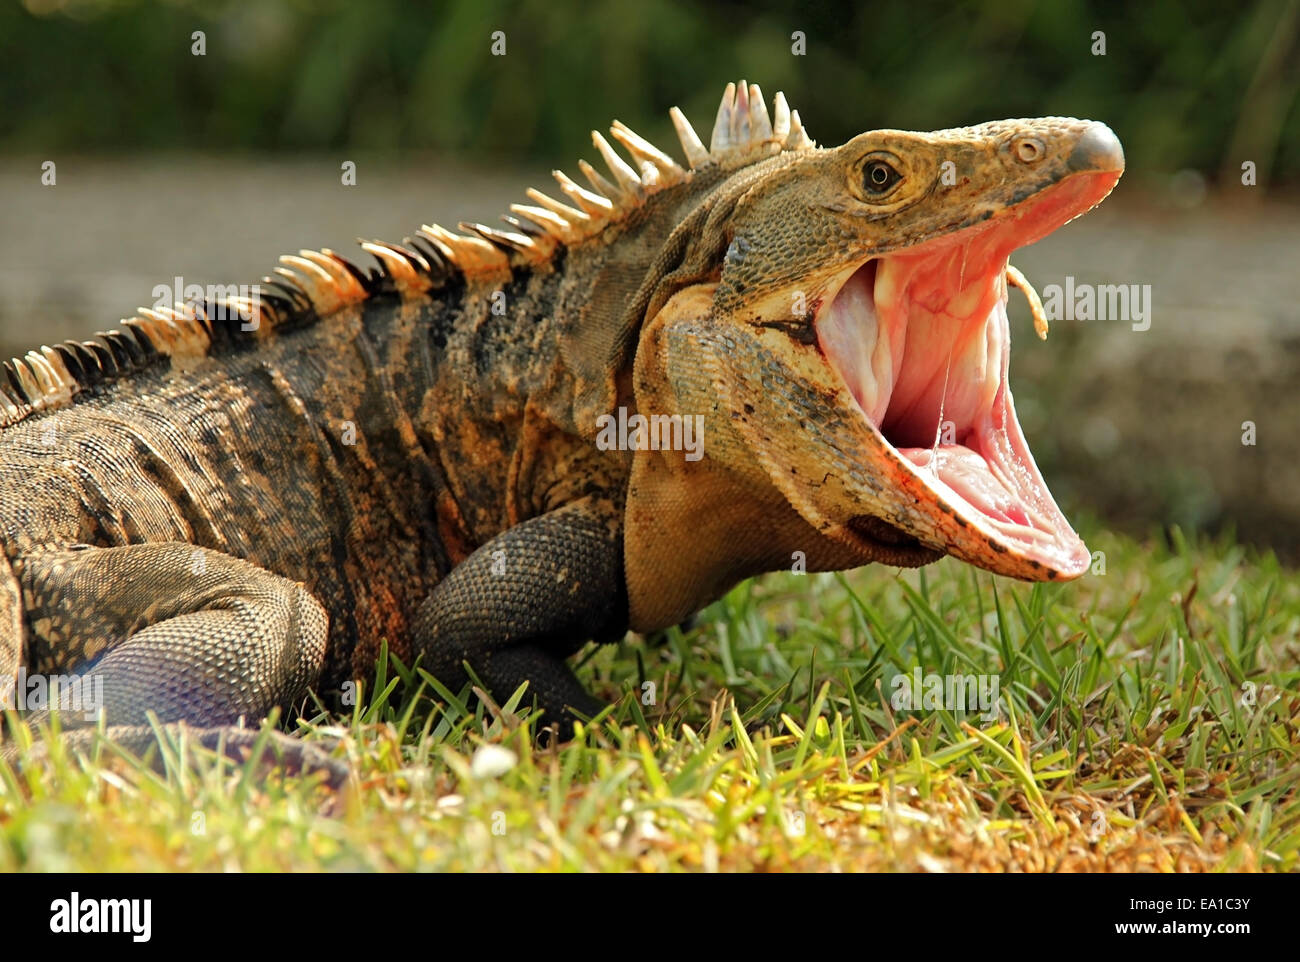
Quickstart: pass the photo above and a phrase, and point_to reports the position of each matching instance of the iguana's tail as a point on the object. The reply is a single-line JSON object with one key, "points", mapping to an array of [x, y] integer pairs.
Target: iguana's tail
{"points": [[170, 746]]}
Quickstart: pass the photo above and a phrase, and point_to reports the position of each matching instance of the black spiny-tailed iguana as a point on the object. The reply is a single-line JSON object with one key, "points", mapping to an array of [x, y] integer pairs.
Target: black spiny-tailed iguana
{"points": [[218, 507]]}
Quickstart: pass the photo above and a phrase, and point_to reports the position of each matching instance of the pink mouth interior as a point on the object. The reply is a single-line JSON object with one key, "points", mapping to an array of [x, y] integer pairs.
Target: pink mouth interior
{"points": [[922, 341]]}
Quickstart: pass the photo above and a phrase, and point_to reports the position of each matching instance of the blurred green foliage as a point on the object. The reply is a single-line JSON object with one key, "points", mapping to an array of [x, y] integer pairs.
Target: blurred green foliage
{"points": [[1198, 84]]}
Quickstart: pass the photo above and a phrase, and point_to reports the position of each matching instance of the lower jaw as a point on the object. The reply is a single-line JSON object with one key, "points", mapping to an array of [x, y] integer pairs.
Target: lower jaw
{"points": [[993, 487]]}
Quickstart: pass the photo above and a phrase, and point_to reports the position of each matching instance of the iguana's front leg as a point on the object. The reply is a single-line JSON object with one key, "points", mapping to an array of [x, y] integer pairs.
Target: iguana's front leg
{"points": [[524, 601], [190, 634]]}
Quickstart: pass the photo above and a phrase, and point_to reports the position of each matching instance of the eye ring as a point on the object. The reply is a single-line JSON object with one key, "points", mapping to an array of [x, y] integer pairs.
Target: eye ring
{"points": [[879, 177]]}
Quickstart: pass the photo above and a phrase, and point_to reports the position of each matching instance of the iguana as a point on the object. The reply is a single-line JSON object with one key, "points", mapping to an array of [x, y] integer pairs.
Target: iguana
{"points": [[499, 444]]}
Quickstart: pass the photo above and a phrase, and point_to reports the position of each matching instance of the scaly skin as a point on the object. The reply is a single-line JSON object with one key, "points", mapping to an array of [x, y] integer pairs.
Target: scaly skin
{"points": [[217, 521]]}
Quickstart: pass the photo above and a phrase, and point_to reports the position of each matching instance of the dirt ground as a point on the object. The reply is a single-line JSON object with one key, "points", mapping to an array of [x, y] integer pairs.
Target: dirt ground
{"points": [[1137, 426]]}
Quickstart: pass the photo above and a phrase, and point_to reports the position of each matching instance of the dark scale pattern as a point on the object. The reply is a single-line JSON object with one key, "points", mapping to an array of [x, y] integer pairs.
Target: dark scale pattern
{"points": [[261, 520], [203, 635], [520, 604], [215, 519]]}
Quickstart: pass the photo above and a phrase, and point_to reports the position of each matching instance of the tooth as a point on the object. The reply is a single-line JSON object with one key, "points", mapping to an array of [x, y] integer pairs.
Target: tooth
{"points": [[882, 372], [849, 332], [999, 325], [892, 278], [964, 305]]}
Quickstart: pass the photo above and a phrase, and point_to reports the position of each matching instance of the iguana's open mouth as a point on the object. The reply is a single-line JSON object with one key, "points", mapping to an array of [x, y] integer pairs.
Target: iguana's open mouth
{"points": [[921, 339]]}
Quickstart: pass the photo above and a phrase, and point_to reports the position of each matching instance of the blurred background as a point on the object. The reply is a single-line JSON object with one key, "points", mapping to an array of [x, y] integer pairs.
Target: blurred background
{"points": [[169, 163]]}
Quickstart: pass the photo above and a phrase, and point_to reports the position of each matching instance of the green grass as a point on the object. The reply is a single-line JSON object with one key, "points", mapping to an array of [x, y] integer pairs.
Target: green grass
{"points": [[1149, 721]]}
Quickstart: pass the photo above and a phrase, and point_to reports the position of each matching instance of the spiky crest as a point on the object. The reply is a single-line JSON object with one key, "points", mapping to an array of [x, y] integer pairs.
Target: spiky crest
{"points": [[312, 284]]}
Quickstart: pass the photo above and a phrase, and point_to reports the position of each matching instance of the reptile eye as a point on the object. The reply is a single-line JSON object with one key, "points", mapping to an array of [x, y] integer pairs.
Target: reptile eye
{"points": [[878, 177]]}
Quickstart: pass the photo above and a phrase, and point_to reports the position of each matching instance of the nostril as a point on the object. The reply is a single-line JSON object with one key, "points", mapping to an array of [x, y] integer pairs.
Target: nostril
{"points": [[1030, 150]]}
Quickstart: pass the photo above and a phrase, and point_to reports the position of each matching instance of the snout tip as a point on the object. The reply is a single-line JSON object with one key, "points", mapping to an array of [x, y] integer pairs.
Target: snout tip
{"points": [[1097, 151]]}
